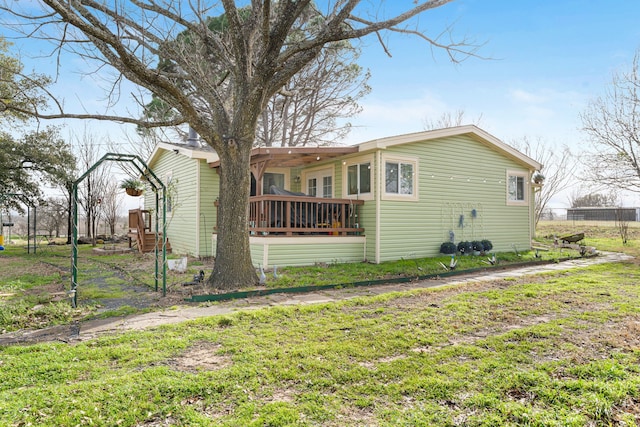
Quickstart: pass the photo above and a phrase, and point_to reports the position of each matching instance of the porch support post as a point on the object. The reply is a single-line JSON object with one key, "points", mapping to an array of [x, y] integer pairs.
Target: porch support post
{"points": [[257, 169]]}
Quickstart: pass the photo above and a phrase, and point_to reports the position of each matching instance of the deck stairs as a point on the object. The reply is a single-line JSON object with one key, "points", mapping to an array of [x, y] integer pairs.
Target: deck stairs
{"points": [[140, 233]]}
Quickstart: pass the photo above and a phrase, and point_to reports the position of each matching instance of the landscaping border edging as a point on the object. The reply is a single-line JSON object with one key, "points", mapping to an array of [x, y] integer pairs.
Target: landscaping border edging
{"points": [[304, 289]]}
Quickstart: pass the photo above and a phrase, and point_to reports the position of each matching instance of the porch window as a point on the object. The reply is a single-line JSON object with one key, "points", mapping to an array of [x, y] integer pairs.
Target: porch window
{"points": [[272, 178], [359, 179], [312, 187], [327, 186], [516, 188]]}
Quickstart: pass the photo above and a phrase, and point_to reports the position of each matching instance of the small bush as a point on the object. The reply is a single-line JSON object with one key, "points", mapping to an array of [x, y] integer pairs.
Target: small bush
{"points": [[448, 248], [465, 247], [477, 246], [487, 245]]}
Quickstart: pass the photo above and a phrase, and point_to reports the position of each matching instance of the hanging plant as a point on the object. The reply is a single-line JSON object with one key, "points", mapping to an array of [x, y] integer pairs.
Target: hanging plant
{"points": [[133, 187], [538, 178]]}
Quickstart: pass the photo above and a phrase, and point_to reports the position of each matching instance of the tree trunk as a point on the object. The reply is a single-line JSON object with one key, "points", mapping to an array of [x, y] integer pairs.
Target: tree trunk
{"points": [[233, 267]]}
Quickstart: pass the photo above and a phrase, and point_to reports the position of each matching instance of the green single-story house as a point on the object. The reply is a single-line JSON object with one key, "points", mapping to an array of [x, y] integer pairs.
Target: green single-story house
{"points": [[385, 199]]}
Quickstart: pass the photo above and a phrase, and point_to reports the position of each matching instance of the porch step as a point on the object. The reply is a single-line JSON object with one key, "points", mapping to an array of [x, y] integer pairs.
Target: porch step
{"points": [[146, 242]]}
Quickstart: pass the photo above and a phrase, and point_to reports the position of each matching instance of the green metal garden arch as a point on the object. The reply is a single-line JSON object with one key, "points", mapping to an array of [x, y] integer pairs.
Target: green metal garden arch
{"points": [[160, 191], [24, 199]]}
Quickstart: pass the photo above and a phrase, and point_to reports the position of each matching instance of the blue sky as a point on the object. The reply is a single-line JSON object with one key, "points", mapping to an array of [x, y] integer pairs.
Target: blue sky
{"points": [[547, 60]]}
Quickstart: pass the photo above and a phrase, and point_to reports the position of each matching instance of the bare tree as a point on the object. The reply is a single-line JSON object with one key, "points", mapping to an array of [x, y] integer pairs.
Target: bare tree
{"points": [[557, 173], [306, 110], [612, 123], [111, 205], [622, 223], [92, 189], [52, 216], [449, 119], [217, 82]]}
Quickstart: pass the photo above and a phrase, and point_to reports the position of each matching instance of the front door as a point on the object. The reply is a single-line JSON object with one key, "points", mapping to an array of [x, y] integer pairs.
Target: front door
{"points": [[320, 183]]}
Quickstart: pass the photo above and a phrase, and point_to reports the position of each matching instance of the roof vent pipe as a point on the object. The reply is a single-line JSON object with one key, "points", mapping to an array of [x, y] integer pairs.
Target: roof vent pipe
{"points": [[193, 141]]}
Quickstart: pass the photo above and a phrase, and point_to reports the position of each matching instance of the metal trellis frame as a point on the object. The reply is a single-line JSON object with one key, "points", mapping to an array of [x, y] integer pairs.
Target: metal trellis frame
{"points": [[160, 191], [24, 199]]}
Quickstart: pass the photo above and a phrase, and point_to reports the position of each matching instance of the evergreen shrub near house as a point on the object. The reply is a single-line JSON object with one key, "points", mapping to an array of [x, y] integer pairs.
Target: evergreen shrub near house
{"points": [[477, 246], [465, 247], [448, 248], [487, 245]]}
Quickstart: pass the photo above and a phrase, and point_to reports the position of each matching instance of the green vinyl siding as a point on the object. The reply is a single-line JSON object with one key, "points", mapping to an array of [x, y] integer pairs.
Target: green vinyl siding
{"points": [[366, 212], [461, 188], [209, 192], [188, 230]]}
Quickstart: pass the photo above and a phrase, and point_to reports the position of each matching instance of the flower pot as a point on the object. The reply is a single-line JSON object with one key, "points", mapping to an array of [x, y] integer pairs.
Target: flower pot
{"points": [[133, 192]]}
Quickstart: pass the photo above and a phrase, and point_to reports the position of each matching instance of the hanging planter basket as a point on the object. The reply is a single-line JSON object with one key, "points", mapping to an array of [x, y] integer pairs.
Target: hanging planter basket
{"points": [[133, 192], [133, 187]]}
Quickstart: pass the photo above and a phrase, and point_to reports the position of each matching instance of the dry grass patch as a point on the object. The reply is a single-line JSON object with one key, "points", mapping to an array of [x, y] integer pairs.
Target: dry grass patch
{"points": [[200, 357]]}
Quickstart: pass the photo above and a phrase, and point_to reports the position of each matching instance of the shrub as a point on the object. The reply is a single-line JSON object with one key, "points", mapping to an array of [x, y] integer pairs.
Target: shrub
{"points": [[465, 247], [487, 245], [448, 248], [477, 246]]}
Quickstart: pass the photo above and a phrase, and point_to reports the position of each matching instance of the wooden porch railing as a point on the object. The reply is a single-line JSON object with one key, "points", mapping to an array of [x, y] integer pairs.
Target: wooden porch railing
{"points": [[273, 215], [140, 230]]}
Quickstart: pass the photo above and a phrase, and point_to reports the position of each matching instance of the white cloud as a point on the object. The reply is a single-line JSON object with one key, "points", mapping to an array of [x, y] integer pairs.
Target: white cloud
{"points": [[381, 118], [520, 95]]}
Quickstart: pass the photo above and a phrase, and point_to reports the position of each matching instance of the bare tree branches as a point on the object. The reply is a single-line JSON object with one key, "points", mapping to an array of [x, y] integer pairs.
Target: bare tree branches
{"points": [[559, 164], [449, 119], [612, 123]]}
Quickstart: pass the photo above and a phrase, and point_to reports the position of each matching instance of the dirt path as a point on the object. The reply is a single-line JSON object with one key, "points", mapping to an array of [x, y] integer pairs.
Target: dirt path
{"points": [[82, 331]]}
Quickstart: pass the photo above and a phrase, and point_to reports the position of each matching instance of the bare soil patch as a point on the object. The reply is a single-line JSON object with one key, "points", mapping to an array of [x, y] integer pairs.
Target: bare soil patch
{"points": [[200, 357]]}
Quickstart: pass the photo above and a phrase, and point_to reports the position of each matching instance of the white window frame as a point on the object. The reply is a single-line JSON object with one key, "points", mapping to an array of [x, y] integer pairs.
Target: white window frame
{"points": [[525, 191], [383, 179], [319, 173], [372, 177]]}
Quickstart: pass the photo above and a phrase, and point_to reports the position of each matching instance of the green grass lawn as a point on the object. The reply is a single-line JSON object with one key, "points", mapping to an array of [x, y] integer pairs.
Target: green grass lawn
{"points": [[558, 349], [43, 279]]}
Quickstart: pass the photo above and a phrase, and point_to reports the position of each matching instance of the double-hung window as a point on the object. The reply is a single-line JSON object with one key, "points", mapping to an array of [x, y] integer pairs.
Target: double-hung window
{"points": [[516, 188]]}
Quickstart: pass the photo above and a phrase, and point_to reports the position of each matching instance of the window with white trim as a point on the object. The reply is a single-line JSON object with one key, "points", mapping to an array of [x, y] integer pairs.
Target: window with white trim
{"points": [[327, 186], [319, 182], [359, 179], [516, 187], [398, 177]]}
